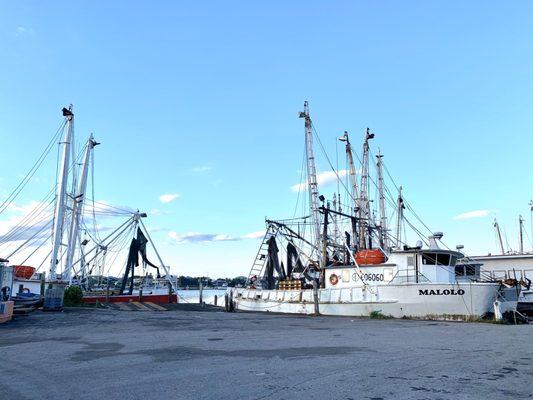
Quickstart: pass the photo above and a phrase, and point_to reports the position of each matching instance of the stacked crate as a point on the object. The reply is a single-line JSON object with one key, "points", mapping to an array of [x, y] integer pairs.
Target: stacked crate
{"points": [[290, 284]]}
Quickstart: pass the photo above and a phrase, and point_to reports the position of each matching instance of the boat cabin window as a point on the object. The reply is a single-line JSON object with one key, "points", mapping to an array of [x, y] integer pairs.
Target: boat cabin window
{"points": [[465, 270], [429, 258], [438, 259], [443, 259]]}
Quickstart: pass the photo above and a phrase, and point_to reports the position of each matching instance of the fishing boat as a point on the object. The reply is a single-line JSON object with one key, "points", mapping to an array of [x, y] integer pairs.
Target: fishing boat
{"points": [[66, 218], [342, 258]]}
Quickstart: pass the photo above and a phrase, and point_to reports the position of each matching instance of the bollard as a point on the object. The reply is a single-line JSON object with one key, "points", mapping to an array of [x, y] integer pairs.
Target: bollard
{"points": [[201, 299], [216, 299], [170, 293], [140, 294], [315, 296]]}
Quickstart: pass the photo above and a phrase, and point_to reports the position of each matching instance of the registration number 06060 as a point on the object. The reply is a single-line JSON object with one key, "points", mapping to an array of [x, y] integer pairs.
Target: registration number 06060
{"points": [[371, 277]]}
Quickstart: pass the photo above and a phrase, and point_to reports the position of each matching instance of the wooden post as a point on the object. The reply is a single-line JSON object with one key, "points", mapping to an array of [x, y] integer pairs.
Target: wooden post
{"points": [[315, 296], [42, 283], [107, 293], [170, 293], [201, 293], [140, 294], [216, 299]]}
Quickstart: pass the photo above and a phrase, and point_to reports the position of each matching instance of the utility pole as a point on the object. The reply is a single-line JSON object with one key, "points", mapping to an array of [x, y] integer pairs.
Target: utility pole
{"points": [[382, 210], [77, 209], [61, 192], [311, 178]]}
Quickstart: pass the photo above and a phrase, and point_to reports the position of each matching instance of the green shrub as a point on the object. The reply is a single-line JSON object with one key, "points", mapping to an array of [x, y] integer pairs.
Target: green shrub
{"points": [[379, 315], [73, 296]]}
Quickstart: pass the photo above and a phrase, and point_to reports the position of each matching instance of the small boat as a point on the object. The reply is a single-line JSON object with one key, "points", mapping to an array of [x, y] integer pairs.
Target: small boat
{"points": [[27, 300]]}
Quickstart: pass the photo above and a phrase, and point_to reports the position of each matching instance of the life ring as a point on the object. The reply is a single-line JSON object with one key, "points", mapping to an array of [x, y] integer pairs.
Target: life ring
{"points": [[333, 279]]}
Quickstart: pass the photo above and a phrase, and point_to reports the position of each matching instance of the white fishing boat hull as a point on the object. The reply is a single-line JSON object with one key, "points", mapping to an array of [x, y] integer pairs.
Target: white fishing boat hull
{"points": [[463, 301]]}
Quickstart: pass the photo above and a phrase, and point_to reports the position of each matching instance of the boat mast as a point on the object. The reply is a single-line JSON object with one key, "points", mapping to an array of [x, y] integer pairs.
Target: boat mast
{"points": [[520, 233], [364, 208], [499, 235], [61, 191], [382, 210], [399, 218], [311, 177], [353, 176], [77, 209]]}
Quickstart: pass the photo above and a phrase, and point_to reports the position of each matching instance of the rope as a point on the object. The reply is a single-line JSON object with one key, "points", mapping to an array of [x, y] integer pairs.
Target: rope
{"points": [[13, 195]]}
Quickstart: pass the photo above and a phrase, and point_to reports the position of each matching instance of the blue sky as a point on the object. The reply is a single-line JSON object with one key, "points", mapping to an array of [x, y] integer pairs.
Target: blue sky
{"points": [[201, 99]]}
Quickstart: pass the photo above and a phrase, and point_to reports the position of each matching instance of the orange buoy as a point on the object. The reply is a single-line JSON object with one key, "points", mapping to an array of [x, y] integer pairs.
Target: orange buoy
{"points": [[370, 257], [23, 271]]}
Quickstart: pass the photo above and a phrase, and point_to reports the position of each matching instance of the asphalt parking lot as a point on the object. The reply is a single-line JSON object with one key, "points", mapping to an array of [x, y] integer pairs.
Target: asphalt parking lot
{"points": [[112, 354]]}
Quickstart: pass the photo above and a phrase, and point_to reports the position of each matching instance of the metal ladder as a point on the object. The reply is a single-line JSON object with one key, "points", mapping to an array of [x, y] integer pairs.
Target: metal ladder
{"points": [[262, 254]]}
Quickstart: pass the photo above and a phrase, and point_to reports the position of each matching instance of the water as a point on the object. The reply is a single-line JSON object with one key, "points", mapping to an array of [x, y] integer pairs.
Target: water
{"points": [[193, 296]]}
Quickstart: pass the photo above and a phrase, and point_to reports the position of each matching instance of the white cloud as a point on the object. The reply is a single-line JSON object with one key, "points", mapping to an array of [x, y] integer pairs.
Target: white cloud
{"points": [[323, 179], [255, 235], [197, 237], [472, 214], [203, 168], [22, 30], [167, 198]]}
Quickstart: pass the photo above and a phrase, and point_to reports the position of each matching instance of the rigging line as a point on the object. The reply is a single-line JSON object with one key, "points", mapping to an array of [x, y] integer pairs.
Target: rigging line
{"points": [[302, 168], [87, 231], [329, 161], [19, 230], [23, 224], [123, 244], [407, 204], [104, 205], [29, 216], [31, 172], [30, 239], [47, 258], [115, 234], [37, 248], [421, 236], [96, 233]]}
